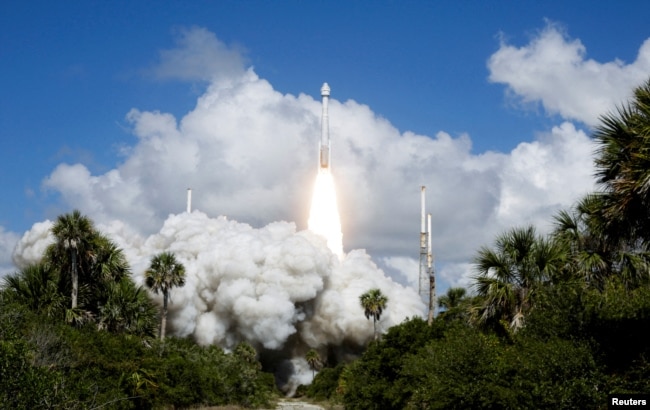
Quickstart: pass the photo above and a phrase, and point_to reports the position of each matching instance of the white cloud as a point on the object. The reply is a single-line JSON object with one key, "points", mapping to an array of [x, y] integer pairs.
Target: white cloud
{"points": [[31, 247], [199, 56], [457, 275], [554, 70], [7, 242], [405, 266], [545, 175]]}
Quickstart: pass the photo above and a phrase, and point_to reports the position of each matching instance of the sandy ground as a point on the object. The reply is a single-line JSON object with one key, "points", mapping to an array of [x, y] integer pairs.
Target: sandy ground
{"points": [[283, 404]]}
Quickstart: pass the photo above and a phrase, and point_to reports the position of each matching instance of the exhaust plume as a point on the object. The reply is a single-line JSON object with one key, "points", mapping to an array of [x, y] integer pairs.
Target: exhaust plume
{"points": [[281, 290]]}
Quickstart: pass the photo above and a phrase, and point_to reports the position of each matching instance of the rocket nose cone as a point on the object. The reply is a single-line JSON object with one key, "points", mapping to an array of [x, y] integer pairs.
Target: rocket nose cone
{"points": [[325, 90]]}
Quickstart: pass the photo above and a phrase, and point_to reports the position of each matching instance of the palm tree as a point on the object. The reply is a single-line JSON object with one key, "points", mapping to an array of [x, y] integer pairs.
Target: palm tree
{"points": [[313, 360], [452, 298], [36, 287], [593, 256], [163, 274], [623, 169], [373, 303], [109, 263], [509, 273], [73, 232], [456, 304], [126, 308]]}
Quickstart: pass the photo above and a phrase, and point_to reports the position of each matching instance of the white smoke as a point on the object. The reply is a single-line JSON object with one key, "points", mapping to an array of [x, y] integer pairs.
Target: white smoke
{"points": [[273, 287], [301, 373], [264, 285]]}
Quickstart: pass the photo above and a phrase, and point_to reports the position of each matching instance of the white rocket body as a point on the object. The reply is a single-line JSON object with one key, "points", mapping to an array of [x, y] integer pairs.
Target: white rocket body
{"points": [[325, 154]]}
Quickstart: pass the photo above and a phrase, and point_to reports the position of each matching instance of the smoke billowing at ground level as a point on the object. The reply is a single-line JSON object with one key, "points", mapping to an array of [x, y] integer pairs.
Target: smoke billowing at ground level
{"points": [[279, 289]]}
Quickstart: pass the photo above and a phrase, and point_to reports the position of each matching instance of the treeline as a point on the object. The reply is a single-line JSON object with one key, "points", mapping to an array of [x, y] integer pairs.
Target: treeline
{"points": [[557, 321], [77, 333]]}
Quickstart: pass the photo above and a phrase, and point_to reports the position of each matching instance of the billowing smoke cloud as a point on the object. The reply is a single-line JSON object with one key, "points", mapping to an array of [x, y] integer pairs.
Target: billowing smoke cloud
{"points": [[276, 288], [265, 285]]}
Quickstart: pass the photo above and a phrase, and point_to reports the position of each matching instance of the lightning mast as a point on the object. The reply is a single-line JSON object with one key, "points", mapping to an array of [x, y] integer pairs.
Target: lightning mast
{"points": [[423, 275], [431, 273]]}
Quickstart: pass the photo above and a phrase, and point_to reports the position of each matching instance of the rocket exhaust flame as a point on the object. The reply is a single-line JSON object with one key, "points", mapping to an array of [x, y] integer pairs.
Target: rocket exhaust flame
{"points": [[324, 216]]}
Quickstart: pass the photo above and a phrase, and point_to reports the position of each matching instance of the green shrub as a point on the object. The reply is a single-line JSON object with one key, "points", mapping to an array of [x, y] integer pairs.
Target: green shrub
{"points": [[375, 379], [325, 383]]}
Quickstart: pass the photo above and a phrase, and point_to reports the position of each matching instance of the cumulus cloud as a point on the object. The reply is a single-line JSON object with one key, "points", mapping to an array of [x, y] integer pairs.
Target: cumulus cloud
{"points": [[7, 242], [199, 56], [545, 175], [554, 70], [31, 247]]}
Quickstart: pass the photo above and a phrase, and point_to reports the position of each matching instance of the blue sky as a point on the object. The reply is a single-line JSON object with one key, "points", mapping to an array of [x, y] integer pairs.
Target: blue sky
{"points": [[72, 72]]}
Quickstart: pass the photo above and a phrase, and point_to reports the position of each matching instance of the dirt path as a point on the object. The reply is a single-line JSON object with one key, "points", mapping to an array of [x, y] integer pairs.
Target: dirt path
{"points": [[297, 405]]}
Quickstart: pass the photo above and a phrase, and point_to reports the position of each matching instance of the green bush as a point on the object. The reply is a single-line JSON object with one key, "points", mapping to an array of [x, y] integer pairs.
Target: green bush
{"points": [[45, 363], [470, 369], [375, 380], [24, 386], [325, 383]]}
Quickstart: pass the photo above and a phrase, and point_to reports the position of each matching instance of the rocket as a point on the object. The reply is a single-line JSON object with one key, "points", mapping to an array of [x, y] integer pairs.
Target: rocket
{"points": [[325, 155]]}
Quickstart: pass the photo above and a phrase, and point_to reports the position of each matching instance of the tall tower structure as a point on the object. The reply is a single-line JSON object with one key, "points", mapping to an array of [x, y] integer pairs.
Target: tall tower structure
{"points": [[423, 282]]}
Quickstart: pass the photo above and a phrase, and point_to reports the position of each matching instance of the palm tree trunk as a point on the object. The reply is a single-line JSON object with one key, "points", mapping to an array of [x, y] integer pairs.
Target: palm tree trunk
{"points": [[75, 278], [374, 326], [163, 320]]}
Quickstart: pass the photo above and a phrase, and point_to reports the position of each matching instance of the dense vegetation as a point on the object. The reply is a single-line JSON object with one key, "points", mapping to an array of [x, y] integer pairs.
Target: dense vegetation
{"points": [[77, 333], [555, 321]]}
